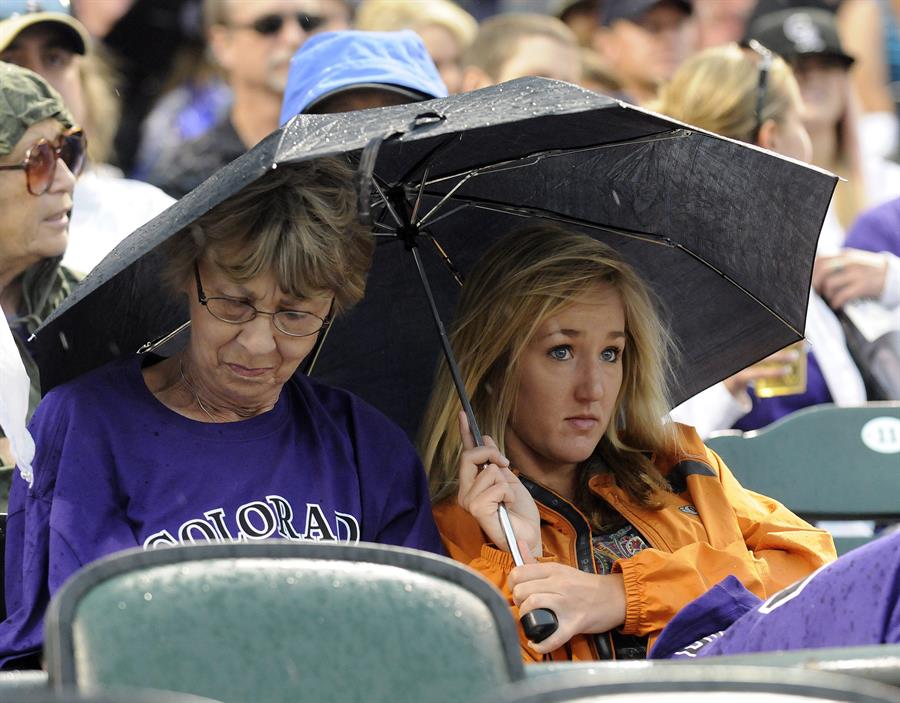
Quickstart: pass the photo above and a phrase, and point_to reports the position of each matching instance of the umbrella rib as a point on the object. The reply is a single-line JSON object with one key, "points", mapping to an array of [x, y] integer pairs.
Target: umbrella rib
{"points": [[421, 223], [449, 213], [538, 156], [643, 236], [522, 211], [387, 203], [532, 160], [419, 195]]}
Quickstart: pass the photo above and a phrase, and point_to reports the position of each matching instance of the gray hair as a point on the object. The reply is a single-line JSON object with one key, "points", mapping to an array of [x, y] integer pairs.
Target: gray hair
{"points": [[298, 221]]}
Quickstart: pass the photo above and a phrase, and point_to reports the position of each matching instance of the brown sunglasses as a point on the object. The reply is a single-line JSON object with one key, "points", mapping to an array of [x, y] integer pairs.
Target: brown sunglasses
{"points": [[40, 160]]}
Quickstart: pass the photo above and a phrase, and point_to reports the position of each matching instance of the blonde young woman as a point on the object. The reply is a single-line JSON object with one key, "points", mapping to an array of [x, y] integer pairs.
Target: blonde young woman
{"points": [[623, 518], [752, 96]]}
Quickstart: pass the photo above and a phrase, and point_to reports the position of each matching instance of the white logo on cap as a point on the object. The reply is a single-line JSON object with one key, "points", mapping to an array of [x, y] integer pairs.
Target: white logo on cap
{"points": [[803, 33]]}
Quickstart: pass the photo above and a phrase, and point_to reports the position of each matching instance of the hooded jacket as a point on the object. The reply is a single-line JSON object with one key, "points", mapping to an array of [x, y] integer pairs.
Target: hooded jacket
{"points": [[709, 527]]}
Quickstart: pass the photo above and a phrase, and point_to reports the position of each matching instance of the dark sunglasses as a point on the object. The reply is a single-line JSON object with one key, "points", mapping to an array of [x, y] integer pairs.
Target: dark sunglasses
{"points": [[40, 160], [267, 25], [762, 87]]}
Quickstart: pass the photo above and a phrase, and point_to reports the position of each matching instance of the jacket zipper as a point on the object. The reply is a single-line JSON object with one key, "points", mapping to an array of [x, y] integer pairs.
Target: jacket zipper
{"points": [[584, 549]]}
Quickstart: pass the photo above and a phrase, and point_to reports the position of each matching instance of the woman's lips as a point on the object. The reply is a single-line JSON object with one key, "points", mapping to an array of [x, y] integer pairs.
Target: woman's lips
{"points": [[60, 219], [245, 372], [583, 422]]}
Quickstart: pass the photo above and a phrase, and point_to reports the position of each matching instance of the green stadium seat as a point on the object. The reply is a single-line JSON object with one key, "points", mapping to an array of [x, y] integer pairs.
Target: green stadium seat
{"points": [[119, 695], [283, 621], [824, 463]]}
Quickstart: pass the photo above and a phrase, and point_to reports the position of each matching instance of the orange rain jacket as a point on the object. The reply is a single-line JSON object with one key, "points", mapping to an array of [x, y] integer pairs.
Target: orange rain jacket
{"points": [[710, 527]]}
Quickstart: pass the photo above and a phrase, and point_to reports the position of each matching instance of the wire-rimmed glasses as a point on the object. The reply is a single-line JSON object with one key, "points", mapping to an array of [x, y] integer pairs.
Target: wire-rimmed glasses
{"points": [[294, 323]]}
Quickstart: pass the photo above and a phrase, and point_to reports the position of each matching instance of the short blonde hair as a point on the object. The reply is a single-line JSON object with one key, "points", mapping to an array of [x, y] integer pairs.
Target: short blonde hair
{"points": [[298, 221], [716, 89], [522, 280], [394, 15], [499, 36]]}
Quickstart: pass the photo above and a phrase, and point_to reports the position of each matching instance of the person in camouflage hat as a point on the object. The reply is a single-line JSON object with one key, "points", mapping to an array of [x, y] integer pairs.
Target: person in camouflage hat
{"points": [[41, 153]]}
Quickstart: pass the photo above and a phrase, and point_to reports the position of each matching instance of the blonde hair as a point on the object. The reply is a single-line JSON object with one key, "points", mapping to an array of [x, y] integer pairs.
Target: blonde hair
{"points": [[716, 90], [522, 280], [99, 84], [298, 221], [499, 35], [393, 15]]}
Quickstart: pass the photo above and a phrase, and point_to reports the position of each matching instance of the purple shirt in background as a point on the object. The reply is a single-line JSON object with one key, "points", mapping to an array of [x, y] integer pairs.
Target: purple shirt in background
{"points": [[877, 229], [115, 469], [854, 601]]}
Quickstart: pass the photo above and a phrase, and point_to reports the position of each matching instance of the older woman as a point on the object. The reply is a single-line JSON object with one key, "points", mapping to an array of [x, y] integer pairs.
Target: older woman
{"points": [[222, 441], [631, 517], [41, 153]]}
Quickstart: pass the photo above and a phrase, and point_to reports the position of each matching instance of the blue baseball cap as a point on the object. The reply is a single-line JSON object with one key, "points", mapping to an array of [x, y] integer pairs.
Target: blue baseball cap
{"points": [[18, 15], [334, 62]]}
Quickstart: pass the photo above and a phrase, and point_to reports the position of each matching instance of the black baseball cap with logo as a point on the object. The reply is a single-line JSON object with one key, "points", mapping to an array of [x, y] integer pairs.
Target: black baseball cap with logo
{"points": [[798, 32], [632, 10]]}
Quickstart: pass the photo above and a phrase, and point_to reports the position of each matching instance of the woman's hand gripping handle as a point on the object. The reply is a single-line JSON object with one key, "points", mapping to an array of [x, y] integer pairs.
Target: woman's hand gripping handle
{"points": [[487, 490]]}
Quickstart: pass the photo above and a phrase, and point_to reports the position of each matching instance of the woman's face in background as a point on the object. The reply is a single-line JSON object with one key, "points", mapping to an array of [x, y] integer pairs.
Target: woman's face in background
{"points": [[824, 88], [34, 227]]}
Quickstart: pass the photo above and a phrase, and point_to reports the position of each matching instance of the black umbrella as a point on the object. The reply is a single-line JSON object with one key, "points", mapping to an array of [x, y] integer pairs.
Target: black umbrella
{"points": [[725, 233]]}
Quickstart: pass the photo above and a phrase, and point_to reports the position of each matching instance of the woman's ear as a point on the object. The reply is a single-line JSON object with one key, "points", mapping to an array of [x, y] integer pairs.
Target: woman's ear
{"points": [[768, 135]]}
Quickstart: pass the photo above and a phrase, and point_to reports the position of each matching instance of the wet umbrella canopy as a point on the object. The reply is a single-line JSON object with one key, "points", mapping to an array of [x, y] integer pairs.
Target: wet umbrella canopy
{"points": [[724, 233]]}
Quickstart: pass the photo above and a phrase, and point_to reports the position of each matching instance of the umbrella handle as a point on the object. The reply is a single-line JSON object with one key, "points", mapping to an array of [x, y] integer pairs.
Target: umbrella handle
{"points": [[539, 623]]}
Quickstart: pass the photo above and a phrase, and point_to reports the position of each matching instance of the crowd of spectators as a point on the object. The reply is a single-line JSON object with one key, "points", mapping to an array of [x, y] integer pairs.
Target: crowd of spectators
{"points": [[168, 93]]}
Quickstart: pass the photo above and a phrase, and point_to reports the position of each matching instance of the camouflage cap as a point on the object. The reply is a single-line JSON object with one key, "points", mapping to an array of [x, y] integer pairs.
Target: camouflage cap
{"points": [[25, 99]]}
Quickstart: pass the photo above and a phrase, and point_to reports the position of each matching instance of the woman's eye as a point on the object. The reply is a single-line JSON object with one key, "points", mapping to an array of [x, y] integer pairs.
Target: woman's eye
{"points": [[610, 355], [293, 315], [57, 58], [561, 353]]}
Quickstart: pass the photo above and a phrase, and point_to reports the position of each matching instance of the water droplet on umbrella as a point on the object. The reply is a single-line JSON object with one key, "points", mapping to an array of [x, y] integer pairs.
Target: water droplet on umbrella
{"points": [[122, 605], [63, 341], [148, 596]]}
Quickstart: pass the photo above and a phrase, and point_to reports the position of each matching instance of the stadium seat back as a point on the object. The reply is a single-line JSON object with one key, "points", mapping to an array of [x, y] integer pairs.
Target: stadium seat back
{"points": [[280, 621], [823, 462]]}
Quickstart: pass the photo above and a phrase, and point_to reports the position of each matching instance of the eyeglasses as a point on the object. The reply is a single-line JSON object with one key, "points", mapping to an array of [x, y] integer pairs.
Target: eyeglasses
{"points": [[762, 87], [269, 25], [294, 323], [40, 160]]}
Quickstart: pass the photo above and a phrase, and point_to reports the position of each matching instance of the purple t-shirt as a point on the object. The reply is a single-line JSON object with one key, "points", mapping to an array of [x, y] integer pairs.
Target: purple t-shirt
{"points": [[877, 229], [853, 601], [114, 468]]}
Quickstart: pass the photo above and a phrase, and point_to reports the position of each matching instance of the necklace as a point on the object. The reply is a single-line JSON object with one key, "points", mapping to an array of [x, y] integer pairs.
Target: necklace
{"points": [[193, 391]]}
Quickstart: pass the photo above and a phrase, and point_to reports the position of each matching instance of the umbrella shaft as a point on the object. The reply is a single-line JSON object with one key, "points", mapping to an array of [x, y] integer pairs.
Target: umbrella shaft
{"points": [[464, 398]]}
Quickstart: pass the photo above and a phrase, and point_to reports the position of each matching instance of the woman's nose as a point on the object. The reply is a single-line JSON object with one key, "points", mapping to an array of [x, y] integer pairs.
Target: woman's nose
{"points": [[258, 335], [590, 383], [63, 178]]}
